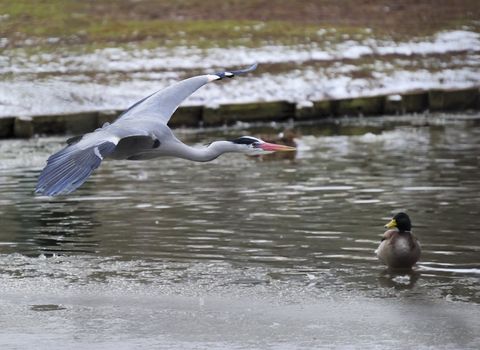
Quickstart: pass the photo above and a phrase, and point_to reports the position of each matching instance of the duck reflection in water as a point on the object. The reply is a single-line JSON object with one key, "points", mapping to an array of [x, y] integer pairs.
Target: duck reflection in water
{"points": [[398, 279]]}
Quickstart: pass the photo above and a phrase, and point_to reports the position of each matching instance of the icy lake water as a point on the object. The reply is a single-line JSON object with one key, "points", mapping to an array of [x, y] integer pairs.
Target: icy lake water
{"points": [[243, 253]]}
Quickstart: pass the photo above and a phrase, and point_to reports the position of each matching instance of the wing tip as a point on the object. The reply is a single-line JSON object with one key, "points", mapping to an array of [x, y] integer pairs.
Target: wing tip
{"points": [[231, 74], [252, 67]]}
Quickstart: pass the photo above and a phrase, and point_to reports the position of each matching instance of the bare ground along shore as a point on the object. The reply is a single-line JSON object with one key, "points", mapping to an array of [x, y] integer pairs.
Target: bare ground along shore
{"points": [[220, 23]]}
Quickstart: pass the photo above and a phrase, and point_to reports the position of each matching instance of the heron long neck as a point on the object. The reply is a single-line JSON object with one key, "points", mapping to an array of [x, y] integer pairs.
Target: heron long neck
{"points": [[206, 153]]}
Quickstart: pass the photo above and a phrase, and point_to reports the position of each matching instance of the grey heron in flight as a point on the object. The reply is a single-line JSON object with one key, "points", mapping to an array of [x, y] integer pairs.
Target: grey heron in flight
{"points": [[141, 133]]}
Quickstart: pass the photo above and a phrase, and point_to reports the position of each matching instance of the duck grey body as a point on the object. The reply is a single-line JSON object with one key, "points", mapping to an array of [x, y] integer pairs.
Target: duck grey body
{"points": [[140, 133], [399, 248]]}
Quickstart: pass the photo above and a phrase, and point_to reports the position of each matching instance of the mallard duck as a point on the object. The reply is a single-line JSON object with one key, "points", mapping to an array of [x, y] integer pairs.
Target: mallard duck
{"points": [[399, 248]]}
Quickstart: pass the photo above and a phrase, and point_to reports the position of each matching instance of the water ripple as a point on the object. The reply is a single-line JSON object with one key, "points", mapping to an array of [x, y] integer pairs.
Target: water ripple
{"points": [[314, 221]]}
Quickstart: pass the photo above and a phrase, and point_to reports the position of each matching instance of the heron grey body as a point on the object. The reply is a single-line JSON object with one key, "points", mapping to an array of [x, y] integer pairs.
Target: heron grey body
{"points": [[140, 133]]}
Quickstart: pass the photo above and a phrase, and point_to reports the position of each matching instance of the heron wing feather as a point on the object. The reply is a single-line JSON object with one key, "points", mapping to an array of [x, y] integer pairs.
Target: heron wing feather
{"points": [[69, 168], [163, 103]]}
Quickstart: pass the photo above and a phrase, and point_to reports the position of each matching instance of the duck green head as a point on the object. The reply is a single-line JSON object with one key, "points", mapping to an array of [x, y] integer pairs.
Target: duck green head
{"points": [[401, 221]]}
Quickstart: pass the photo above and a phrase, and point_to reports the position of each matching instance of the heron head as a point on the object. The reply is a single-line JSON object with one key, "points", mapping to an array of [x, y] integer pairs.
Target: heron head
{"points": [[254, 146]]}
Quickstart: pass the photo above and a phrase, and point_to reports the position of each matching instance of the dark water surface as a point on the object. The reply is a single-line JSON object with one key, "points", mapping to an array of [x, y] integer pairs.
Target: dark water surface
{"points": [[249, 253]]}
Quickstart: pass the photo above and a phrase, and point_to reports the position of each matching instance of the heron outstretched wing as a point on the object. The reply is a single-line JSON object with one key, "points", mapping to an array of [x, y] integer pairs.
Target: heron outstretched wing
{"points": [[162, 104], [69, 168]]}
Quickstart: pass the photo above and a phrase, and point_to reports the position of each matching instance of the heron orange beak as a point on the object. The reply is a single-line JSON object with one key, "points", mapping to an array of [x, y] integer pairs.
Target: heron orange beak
{"points": [[271, 147]]}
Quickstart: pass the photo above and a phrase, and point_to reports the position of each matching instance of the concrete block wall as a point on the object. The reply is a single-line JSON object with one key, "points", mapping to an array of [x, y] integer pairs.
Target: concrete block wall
{"points": [[193, 116]]}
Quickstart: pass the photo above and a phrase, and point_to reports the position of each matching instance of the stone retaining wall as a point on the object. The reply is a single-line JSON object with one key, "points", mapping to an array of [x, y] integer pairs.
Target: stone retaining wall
{"points": [[192, 116]]}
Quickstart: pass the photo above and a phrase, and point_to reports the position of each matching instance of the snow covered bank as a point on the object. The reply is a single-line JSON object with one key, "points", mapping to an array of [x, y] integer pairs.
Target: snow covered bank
{"points": [[115, 78]]}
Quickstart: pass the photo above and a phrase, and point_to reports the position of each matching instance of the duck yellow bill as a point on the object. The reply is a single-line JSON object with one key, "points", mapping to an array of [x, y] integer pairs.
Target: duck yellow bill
{"points": [[391, 224], [274, 148]]}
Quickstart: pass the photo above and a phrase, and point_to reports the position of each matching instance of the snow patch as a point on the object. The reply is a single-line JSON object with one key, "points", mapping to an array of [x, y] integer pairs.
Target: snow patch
{"points": [[114, 78]]}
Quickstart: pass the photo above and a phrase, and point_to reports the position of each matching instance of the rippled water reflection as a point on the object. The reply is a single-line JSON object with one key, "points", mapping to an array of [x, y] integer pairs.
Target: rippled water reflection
{"points": [[303, 225]]}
